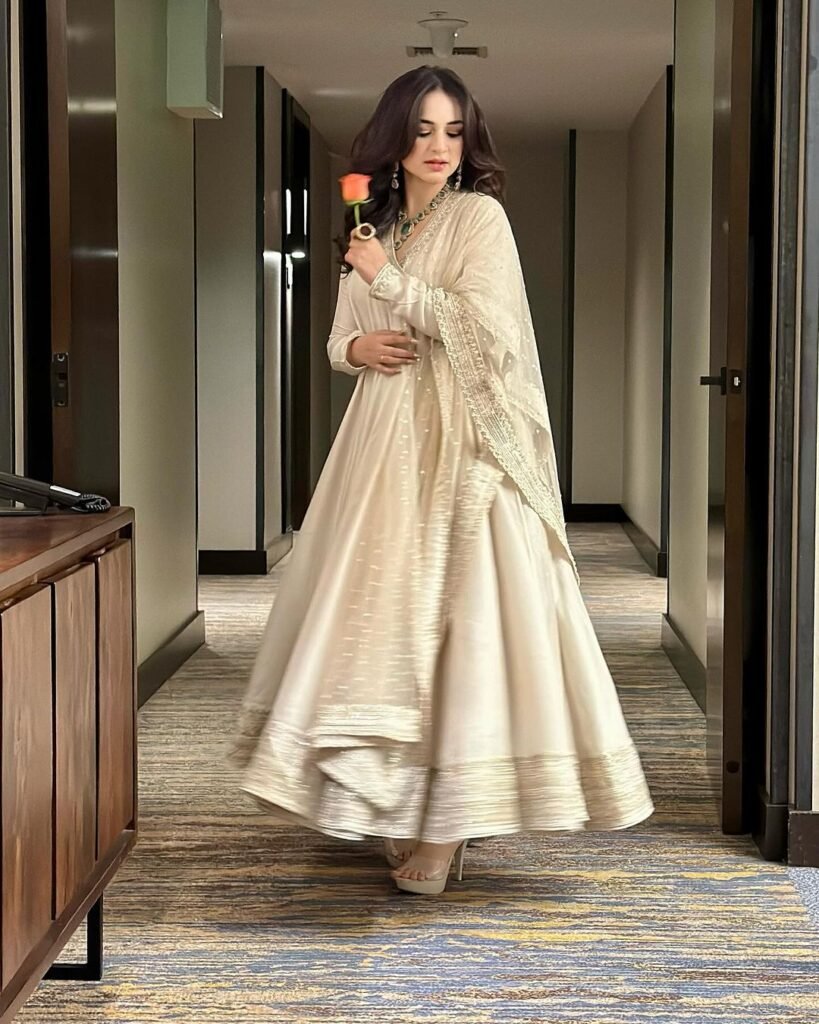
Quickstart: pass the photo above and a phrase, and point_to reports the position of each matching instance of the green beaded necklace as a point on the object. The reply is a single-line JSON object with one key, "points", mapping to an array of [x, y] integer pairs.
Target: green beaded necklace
{"points": [[406, 225]]}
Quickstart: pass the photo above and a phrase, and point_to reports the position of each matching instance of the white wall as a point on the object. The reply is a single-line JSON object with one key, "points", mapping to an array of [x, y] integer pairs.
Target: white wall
{"points": [[226, 267], [535, 206], [693, 126], [645, 303], [156, 307], [599, 317]]}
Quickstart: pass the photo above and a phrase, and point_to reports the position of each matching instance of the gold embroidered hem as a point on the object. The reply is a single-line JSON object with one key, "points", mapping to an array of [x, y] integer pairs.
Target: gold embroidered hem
{"points": [[555, 793]]}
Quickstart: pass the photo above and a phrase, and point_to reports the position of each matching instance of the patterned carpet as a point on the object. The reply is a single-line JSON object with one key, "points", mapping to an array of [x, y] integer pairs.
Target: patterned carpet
{"points": [[223, 916]]}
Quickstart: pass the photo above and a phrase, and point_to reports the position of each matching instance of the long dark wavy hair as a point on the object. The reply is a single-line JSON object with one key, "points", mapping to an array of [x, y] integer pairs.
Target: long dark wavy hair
{"points": [[390, 134]]}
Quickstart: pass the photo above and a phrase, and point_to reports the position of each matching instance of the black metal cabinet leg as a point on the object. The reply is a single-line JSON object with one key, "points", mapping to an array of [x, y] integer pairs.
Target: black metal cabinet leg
{"points": [[91, 970]]}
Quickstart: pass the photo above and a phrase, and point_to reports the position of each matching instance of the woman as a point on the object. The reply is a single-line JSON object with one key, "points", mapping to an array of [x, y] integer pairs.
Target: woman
{"points": [[429, 672]]}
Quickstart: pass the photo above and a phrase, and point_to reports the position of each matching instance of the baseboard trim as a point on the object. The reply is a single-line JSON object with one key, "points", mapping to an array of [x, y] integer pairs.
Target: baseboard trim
{"points": [[689, 667], [655, 559], [803, 839], [232, 563], [245, 563], [770, 829], [591, 513], [162, 664]]}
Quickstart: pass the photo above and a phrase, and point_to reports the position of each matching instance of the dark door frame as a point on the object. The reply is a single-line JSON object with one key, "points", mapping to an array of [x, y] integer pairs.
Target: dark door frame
{"points": [[36, 241], [7, 355], [803, 818], [739, 459], [295, 330]]}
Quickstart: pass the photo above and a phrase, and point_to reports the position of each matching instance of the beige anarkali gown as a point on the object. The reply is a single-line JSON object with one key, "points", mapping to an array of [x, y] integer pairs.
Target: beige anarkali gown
{"points": [[429, 668]]}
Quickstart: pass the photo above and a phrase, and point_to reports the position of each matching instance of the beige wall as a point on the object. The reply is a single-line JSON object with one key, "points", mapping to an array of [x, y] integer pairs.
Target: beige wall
{"points": [[599, 317], [226, 268], [156, 301], [693, 118], [535, 207], [645, 287], [231, 335]]}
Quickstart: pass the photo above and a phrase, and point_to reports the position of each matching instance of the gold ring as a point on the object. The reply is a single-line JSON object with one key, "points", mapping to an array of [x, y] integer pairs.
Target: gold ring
{"points": [[364, 232]]}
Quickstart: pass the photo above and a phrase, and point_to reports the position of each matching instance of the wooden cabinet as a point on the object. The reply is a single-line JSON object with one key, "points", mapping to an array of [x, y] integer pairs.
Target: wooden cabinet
{"points": [[67, 731]]}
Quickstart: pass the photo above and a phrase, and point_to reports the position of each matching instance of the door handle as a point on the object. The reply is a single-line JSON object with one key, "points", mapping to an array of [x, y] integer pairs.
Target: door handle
{"points": [[726, 381]]}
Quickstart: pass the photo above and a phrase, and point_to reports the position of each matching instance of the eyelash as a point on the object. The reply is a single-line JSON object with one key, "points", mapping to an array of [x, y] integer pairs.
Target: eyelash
{"points": [[425, 135]]}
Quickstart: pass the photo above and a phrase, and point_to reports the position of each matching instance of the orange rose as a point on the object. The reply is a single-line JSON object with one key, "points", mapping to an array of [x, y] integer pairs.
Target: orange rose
{"points": [[355, 188]]}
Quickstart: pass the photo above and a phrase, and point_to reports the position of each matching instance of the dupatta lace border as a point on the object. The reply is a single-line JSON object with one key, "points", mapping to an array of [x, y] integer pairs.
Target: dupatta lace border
{"points": [[490, 414]]}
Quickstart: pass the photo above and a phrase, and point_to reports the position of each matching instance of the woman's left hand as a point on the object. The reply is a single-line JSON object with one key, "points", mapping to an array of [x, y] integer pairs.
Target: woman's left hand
{"points": [[366, 257]]}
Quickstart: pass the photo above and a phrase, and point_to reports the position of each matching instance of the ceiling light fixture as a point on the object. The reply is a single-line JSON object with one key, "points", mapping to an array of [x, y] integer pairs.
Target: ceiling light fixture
{"points": [[444, 31]]}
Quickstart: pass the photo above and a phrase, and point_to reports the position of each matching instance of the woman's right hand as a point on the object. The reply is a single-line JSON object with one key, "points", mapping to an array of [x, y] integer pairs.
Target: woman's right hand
{"points": [[385, 351]]}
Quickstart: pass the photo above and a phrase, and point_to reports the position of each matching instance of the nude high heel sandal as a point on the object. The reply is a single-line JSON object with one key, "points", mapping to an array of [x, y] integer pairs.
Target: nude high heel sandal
{"points": [[435, 885]]}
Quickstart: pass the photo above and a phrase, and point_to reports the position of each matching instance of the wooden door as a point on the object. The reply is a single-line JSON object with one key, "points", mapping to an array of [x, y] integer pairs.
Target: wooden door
{"points": [[26, 784], [739, 399], [70, 245]]}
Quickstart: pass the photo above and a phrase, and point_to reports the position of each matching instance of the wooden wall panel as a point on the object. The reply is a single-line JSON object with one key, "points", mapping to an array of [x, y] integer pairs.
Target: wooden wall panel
{"points": [[115, 660], [26, 756], [75, 714]]}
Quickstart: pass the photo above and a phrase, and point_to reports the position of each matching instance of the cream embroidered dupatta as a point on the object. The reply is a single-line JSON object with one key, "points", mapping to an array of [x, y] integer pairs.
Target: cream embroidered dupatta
{"points": [[482, 316]]}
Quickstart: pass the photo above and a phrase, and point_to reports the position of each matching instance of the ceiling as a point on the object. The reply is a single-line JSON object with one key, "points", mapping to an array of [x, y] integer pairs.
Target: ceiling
{"points": [[552, 64]]}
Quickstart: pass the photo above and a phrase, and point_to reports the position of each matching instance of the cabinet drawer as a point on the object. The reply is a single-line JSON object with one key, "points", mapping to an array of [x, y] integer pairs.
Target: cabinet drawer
{"points": [[75, 731], [26, 756]]}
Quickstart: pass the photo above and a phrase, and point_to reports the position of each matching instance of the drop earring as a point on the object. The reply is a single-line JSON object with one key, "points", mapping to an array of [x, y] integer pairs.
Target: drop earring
{"points": [[394, 182], [458, 176]]}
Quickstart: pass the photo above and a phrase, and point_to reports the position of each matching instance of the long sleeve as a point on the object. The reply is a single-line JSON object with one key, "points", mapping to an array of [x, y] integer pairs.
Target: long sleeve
{"points": [[410, 297], [343, 331]]}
